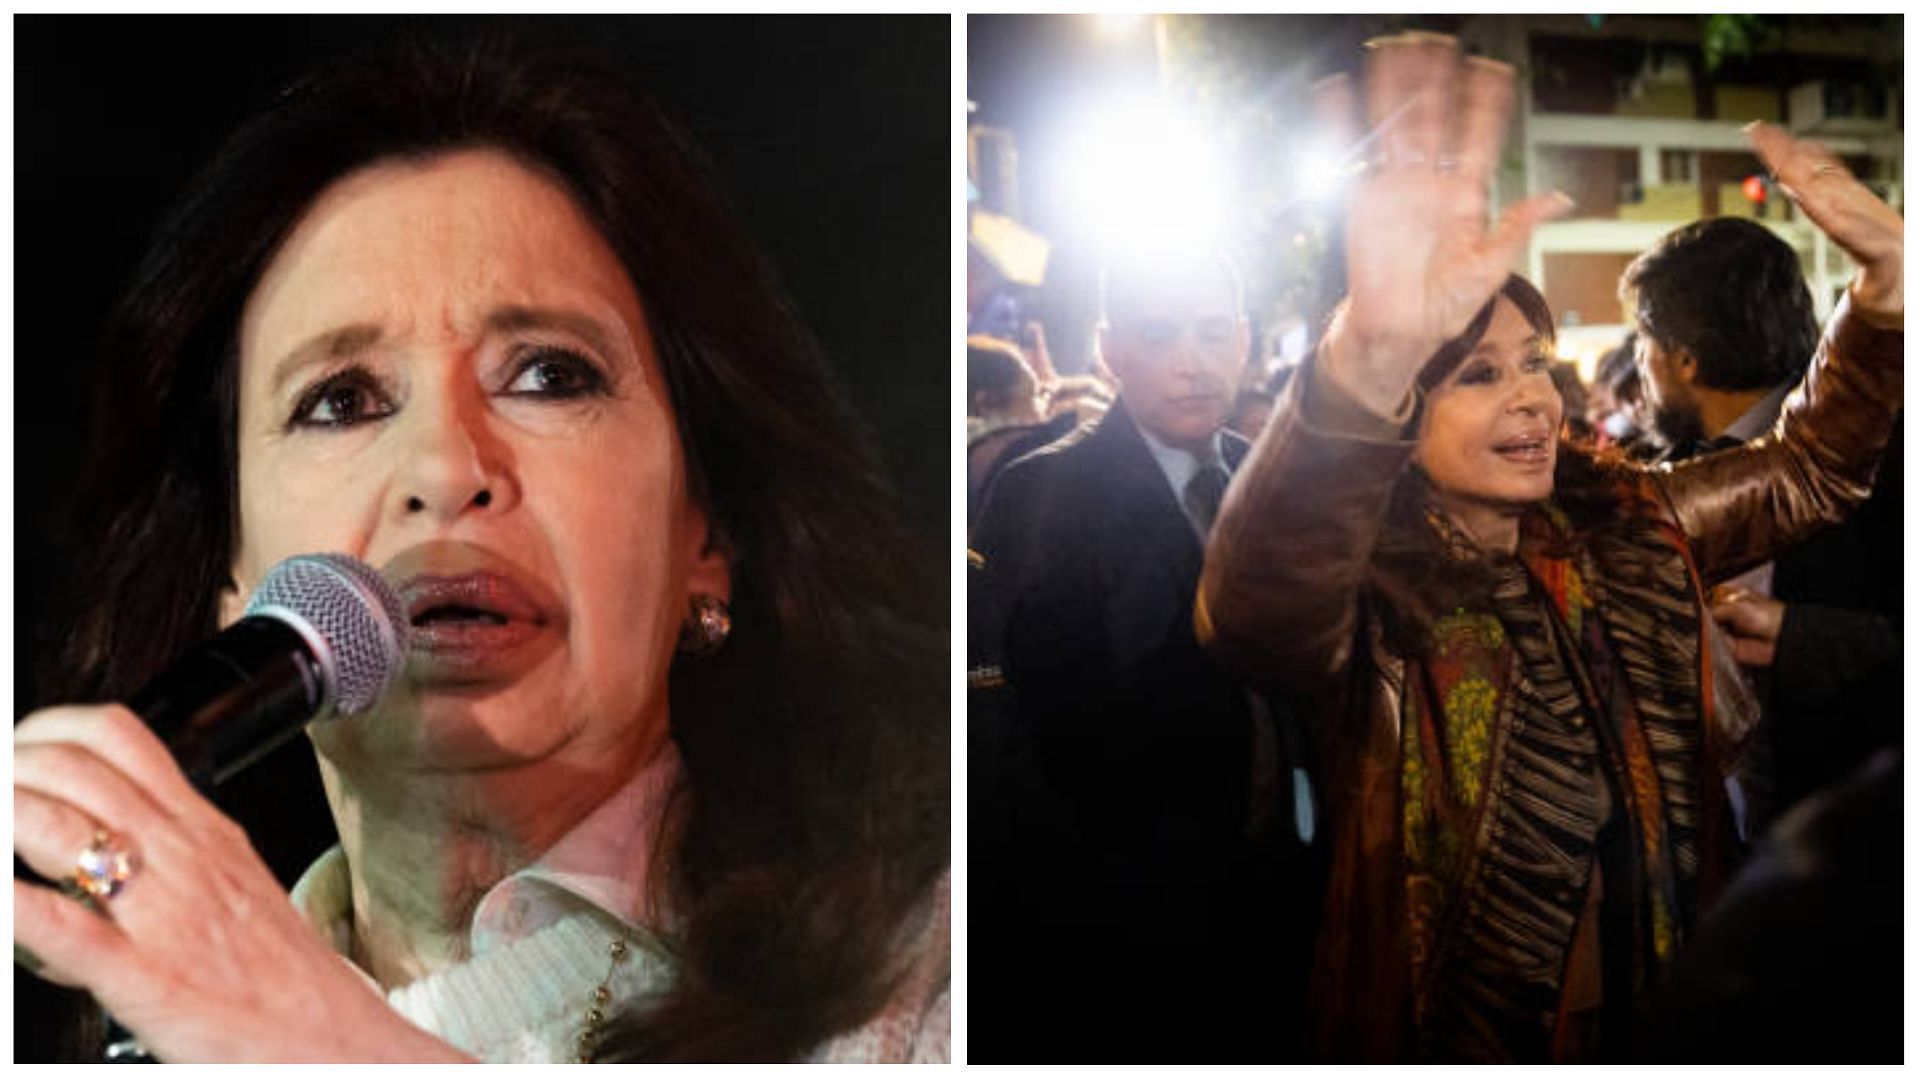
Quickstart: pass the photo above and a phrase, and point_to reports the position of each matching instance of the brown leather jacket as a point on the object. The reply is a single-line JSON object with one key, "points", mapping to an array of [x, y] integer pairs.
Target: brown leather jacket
{"points": [[1283, 599]]}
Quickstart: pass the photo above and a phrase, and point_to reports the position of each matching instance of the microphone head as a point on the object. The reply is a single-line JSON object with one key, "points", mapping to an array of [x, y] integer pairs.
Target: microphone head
{"points": [[352, 620]]}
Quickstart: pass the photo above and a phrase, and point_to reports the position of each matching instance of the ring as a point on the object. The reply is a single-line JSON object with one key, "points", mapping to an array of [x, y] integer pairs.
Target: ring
{"points": [[103, 867]]}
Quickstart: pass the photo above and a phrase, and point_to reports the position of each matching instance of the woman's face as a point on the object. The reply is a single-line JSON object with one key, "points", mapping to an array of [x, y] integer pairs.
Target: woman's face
{"points": [[446, 372], [1487, 436]]}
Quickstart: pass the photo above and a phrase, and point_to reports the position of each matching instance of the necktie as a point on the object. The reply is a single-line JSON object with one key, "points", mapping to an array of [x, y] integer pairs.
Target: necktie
{"points": [[1202, 495]]}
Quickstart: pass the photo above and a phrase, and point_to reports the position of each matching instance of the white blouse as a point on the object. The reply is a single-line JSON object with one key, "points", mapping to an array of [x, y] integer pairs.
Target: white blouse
{"points": [[542, 940]]}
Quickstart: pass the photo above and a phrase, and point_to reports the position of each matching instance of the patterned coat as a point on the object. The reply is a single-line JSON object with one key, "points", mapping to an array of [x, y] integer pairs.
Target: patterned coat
{"points": [[1288, 596]]}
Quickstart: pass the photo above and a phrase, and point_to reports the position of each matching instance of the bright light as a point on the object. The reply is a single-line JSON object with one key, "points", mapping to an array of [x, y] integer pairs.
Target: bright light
{"points": [[1146, 177], [1120, 25], [1320, 173]]}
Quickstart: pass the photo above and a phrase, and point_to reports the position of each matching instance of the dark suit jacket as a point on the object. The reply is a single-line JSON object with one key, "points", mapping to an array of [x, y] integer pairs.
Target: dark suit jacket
{"points": [[1835, 693], [1119, 910], [1094, 566]]}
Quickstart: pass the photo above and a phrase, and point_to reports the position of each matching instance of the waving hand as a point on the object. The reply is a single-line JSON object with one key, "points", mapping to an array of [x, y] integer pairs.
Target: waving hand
{"points": [[1421, 256]]}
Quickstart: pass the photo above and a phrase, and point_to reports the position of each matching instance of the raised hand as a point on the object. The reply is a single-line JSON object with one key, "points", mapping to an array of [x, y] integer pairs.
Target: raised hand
{"points": [[1845, 210], [1421, 258]]}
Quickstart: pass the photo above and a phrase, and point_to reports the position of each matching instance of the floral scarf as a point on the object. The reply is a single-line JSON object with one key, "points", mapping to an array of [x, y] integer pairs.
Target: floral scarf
{"points": [[1552, 731]]}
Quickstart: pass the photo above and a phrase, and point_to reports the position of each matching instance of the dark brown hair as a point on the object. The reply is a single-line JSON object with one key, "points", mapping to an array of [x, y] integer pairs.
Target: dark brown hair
{"points": [[814, 817], [1517, 291], [1730, 293]]}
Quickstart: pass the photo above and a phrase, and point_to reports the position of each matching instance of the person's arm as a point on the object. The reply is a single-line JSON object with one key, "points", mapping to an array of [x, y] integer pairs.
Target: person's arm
{"points": [[1039, 545], [1742, 505], [1280, 595], [1280, 592], [1044, 622]]}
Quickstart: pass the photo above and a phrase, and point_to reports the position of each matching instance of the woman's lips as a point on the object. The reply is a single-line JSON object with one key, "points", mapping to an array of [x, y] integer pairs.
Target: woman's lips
{"points": [[1531, 451], [475, 620], [431, 599]]}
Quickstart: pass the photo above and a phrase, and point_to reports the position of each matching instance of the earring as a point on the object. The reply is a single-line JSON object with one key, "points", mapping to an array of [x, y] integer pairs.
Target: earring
{"points": [[706, 627]]}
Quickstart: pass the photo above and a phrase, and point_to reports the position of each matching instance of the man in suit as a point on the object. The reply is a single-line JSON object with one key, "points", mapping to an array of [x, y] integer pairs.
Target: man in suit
{"points": [[1165, 904]]}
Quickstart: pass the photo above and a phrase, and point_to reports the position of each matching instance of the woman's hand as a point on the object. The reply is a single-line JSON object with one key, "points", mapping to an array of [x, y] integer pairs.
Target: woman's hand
{"points": [[1421, 260], [199, 953], [1845, 210]]}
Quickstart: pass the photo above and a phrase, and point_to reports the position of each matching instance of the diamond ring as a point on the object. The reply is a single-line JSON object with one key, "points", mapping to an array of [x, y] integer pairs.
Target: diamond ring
{"points": [[103, 867]]}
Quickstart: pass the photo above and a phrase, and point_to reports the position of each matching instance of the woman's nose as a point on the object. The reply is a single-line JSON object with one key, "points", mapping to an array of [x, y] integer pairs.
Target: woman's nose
{"points": [[1535, 395], [452, 461]]}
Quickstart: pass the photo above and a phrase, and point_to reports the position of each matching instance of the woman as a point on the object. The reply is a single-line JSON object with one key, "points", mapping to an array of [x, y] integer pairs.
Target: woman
{"points": [[477, 315], [1505, 639]]}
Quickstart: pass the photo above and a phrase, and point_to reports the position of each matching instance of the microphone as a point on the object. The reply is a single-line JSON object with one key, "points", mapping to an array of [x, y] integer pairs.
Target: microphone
{"points": [[322, 636]]}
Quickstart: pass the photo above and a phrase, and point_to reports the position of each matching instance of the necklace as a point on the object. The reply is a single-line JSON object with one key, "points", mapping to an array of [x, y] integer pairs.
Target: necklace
{"points": [[597, 1004]]}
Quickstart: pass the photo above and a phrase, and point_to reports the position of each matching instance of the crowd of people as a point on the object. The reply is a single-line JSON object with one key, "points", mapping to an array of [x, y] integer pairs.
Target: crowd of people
{"points": [[1455, 708]]}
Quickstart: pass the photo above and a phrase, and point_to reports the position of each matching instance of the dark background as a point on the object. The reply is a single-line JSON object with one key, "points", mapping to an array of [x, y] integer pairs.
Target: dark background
{"points": [[830, 135]]}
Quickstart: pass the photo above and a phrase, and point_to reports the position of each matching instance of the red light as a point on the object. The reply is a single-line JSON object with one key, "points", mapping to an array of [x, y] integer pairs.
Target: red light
{"points": [[1755, 188]]}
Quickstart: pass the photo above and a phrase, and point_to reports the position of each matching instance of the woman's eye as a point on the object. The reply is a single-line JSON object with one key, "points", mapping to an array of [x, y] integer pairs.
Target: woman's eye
{"points": [[1538, 362], [556, 373], [1477, 372], [342, 401]]}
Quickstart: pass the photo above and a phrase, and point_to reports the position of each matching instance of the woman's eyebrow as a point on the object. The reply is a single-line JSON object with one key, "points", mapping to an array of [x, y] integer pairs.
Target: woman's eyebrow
{"points": [[1487, 348], [357, 337], [585, 327], [325, 346]]}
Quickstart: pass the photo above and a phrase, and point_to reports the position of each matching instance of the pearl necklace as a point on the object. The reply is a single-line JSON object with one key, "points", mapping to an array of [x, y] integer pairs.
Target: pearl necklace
{"points": [[583, 1045]]}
